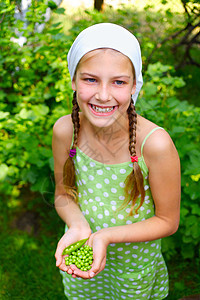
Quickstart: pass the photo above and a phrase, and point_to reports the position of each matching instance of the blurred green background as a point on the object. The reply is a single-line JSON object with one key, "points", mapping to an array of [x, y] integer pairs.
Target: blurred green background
{"points": [[35, 90]]}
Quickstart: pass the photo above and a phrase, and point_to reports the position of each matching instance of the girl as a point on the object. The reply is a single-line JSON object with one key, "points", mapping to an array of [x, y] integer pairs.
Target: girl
{"points": [[120, 191]]}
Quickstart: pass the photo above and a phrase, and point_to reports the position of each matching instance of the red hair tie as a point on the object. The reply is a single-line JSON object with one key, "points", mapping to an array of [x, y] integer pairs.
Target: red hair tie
{"points": [[134, 159]]}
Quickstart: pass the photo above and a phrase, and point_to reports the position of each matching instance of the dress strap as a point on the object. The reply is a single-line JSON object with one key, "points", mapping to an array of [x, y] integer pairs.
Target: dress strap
{"points": [[144, 141], [72, 139]]}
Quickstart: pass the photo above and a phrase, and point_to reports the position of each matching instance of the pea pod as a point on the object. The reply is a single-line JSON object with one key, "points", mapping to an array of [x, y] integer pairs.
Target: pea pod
{"points": [[74, 246]]}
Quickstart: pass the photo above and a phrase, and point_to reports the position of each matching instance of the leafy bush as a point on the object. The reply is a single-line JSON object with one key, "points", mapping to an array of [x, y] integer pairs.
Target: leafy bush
{"points": [[159, 104], [36, 91]]}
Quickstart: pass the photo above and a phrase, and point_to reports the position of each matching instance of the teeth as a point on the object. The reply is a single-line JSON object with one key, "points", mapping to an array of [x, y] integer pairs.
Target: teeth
{"points": [[102, 110]]}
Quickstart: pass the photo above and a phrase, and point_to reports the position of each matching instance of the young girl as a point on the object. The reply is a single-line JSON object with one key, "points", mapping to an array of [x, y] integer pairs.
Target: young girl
{"points": [[117, 174]]}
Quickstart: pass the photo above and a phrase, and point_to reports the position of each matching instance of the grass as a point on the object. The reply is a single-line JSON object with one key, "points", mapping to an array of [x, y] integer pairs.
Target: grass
{"points": [[28, 270]]}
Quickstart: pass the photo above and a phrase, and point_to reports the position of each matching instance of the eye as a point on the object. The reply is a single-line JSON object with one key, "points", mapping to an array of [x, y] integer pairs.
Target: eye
{"points": [[119, 82], [91, 80]]}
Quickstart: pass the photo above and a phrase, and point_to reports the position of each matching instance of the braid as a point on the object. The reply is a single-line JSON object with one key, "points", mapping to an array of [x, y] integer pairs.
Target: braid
{"points": [[69, 169], [132, 116], [75, 120], [134, 182]]}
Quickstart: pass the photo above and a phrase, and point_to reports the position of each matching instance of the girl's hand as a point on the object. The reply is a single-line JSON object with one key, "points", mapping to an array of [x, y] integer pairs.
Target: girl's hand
{"points": [[71, 236], [99, 242]]}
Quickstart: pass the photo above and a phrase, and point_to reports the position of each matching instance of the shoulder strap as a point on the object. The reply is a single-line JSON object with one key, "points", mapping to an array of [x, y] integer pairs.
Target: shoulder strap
{"points": [[72, 138], [144, 141]]}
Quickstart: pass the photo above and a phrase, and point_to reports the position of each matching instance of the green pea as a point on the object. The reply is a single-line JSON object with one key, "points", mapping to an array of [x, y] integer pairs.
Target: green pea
{"points": [[74, 246], [79, 254]]}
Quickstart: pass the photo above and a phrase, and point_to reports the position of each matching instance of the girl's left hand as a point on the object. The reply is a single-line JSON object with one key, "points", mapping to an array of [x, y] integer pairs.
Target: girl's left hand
{"points": [[99, 243]]}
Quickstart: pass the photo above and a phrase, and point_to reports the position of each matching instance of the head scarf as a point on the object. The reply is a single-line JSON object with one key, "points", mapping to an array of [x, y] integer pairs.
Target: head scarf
{"points": [[107, 35]]}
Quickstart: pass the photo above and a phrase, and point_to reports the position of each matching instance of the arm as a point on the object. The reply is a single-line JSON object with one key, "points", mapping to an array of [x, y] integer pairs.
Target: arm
{"points": [[163, 163], [67, 209]]}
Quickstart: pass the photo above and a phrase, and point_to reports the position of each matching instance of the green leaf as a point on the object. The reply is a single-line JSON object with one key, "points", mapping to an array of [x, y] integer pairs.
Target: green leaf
{"points": [[178, 129], [26, 114], [60, 11], [184, 212], [40, 110], [178, 82], [3, 171], [52, 4], [157, 69], [187, 239], [51, 163], [45, 152], [195, 177], [31, 176], [187, 251], [4, 115], [195, 209], [2, 95], [194, 166], [150, 89]]}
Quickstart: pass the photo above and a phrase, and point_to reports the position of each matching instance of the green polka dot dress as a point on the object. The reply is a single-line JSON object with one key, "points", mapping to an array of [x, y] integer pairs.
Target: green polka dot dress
{"points": [[133, 270]]}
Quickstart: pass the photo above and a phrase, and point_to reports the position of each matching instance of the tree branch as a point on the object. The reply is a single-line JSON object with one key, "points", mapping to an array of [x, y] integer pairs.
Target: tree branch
{"points": [[185, 8], [158, 45], [185, 37]]}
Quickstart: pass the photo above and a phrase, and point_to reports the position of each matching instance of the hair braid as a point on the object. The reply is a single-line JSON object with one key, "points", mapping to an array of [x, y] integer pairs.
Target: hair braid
{"points": [[75, 120], [134, 182], [69, 169]]}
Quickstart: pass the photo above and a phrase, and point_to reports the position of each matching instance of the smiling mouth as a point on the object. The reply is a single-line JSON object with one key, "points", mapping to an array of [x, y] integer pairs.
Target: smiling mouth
{"points": [[104, 110]]}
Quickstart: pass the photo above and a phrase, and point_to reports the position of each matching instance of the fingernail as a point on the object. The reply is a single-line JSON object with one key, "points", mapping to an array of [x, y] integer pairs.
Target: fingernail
{"points": [[92, 274]]}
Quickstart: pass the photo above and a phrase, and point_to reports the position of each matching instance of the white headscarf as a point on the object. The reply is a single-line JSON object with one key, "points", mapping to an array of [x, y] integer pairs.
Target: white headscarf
{"points": [[107, 35]]}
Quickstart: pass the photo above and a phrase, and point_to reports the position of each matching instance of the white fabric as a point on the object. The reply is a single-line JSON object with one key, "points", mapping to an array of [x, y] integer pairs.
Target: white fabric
{"points": [[107, 35]]}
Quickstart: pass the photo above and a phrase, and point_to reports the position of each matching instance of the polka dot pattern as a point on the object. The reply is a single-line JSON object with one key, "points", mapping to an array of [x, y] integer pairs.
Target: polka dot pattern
{"points": [[133, 270]]}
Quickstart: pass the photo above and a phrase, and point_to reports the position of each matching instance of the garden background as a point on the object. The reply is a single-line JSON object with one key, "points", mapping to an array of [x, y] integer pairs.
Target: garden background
{"points": [[35, 91]]}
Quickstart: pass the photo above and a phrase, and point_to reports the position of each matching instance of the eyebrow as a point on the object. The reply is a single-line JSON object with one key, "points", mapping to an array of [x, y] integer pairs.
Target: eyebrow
{"points": [[92, 75]]}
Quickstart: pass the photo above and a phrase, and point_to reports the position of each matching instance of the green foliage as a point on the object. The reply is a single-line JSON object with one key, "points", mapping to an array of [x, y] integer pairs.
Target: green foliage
{"points": [[159, 103], [35, 90]]}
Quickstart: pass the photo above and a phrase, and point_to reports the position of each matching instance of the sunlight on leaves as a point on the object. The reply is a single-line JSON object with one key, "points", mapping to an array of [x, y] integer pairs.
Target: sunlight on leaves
{"points": [[195, 177]]}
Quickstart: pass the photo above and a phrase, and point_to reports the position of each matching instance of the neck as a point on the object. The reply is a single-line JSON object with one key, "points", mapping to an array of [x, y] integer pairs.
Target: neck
{"points": [[117, 130], [110, 143]]}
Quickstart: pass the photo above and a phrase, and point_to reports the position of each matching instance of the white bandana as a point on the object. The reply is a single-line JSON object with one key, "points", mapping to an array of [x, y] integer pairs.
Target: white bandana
{"points": [[107, 35]]}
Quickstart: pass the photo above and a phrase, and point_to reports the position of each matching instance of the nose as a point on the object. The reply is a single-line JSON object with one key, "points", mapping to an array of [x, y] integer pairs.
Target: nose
{"points": [[103, 93]]}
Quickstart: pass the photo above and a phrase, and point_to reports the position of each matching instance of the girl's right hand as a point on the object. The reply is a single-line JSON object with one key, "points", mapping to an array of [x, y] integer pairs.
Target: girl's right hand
{"points": [[71, 236]]}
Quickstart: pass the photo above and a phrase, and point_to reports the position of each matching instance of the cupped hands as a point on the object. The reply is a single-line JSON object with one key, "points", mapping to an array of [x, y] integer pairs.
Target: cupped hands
{"points": [[99, 243]]}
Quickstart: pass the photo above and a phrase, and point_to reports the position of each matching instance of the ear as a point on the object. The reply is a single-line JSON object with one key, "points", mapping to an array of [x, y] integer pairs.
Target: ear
{"points": [[73, 85], [133, 88]]}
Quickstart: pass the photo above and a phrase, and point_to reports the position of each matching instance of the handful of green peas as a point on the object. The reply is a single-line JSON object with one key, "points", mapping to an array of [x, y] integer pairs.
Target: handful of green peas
{"points": [[80, 255]]}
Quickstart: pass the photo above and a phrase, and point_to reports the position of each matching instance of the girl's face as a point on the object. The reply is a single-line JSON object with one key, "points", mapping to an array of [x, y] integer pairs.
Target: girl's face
{"points": [[104, 82]]}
